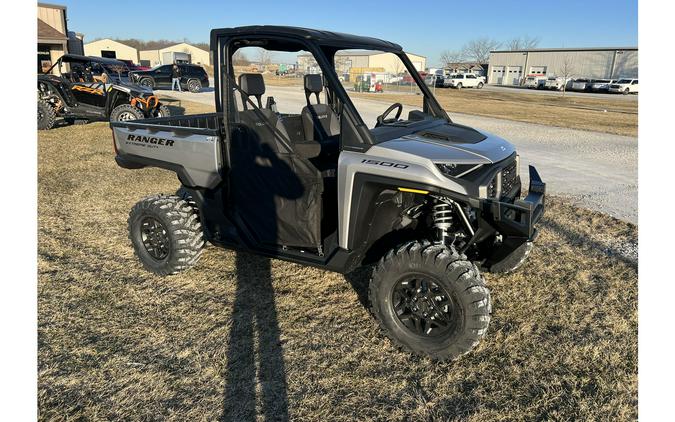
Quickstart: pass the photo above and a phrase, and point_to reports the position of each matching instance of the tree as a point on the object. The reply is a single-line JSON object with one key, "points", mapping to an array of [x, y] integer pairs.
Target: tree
{"points": [[452, 57], [264, 57], [566, 71], [240, 59], [478, 50], [522, 43]]}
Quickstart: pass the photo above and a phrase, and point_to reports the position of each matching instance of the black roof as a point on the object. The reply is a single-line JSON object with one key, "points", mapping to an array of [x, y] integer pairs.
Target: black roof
{"points": [[77, 57], [321, 37]]}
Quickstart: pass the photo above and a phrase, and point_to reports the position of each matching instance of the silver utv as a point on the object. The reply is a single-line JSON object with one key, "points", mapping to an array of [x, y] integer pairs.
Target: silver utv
{"points": [[427, 203]]}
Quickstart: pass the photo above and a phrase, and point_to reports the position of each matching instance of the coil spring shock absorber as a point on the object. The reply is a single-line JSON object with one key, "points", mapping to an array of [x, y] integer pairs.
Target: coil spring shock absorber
{"points": [[442, 215]]}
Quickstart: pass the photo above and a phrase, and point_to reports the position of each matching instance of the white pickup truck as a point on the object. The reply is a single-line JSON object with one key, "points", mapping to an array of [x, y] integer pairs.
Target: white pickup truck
{"points": [[624, 86], [557, 83], [464, 80]]}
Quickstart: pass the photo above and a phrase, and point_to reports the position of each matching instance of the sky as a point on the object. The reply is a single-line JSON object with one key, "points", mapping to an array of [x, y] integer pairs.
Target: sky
{"points": [[425, 28]]}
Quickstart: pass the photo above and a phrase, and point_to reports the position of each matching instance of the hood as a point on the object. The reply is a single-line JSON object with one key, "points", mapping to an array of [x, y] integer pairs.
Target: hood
{"points": [[137, 90], [453, 143]]}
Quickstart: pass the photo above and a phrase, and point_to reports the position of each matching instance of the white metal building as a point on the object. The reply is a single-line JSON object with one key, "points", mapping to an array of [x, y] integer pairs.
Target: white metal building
{"points": [[111, 49], [347, 59], [511, 67]]}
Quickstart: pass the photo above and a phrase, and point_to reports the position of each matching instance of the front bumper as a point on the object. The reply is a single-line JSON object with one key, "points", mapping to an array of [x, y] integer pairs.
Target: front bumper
{"points": [[517, 220]]}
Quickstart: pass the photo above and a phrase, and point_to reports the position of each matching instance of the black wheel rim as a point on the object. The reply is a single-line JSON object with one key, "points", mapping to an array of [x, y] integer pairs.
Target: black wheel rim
{"points": [[155, 238], [423, 306]]}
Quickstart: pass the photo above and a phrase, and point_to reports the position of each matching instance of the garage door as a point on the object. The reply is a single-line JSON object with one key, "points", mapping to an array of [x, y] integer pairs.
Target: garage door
{"points": [[514, 75], [497, 76]]}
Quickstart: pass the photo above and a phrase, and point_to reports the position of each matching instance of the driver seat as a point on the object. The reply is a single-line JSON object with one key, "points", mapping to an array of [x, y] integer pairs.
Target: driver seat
{"points": [[319, 121]]}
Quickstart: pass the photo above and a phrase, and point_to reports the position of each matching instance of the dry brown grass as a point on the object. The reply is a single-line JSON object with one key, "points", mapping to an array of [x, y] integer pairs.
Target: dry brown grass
{"points": [[243, 338], [586, 113]]}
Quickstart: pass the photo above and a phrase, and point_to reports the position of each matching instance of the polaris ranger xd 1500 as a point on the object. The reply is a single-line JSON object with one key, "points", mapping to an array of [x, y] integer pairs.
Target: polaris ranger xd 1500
{"points": [[426, 201]]}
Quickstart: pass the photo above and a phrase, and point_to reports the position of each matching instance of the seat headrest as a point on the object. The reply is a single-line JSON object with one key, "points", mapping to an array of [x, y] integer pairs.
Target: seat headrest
{"points": [[252, 83], [313, 84]]}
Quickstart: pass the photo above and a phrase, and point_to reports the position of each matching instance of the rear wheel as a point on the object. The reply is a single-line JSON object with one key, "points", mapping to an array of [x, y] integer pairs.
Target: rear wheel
{"points": [[166, 234], [430, 300], [147, 82], [194, 85], [162, 111], [125, 112], [46, 116], [626, 91]]}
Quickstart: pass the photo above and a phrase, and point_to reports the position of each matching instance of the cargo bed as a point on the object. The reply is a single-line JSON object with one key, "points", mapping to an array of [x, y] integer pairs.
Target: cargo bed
{"points": [[189, 145]]}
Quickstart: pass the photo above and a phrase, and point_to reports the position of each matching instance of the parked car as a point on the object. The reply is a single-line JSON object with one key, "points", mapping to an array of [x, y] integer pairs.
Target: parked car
{"points": [[434, 79], [533, 81], [133, 66], [624, 86], [557, 83], [580, 84], [193, 78], [601, 85], [84, 88], [464, 80]]}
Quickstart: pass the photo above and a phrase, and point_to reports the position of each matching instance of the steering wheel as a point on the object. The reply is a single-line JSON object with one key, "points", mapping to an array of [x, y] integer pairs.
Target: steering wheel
{"points": [[381, 119]]}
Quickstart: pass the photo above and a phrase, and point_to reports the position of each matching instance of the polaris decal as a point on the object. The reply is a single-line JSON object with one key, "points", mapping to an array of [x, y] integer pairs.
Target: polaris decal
{"points": [[149, 141], [384, 163]]}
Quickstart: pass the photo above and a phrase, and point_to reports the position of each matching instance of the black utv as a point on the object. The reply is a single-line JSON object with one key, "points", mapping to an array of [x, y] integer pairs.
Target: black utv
{"points": [[83, 88]]}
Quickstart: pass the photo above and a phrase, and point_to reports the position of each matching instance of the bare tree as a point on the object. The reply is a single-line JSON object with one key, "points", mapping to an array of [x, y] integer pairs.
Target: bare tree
{"points": [[264, 57], [566, 71], [478, 50], [522, 43], [451, 57], [240, 59]]}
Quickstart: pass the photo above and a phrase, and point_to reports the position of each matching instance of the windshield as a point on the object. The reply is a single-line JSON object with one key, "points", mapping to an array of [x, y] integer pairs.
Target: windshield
{"points": [[624, 81], [602, 81], [369, 79]]}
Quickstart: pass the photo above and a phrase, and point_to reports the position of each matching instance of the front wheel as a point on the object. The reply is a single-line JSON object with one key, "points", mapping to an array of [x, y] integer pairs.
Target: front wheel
{"points": [[626, 91], [480, 85], [194, 85], [430, 300], [125, 112], [459, 85], [46, 116], [166, 234]]}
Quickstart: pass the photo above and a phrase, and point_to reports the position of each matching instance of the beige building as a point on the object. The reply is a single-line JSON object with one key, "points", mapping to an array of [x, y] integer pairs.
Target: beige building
{"points": [[345, 60], [155, 57], [111, 49], [52, 35], [512, 67]]}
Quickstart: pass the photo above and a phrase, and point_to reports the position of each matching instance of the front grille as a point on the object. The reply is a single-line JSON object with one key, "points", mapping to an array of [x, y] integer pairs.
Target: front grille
{"points": [[504, 182], [509, 178]]}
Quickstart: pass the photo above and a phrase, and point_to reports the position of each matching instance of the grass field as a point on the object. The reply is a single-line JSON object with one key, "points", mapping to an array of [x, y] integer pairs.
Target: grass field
{"points": [[610, 115], [242, 338]]}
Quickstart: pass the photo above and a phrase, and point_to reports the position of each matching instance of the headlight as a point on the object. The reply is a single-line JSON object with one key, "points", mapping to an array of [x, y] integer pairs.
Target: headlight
{"points": [[456, 170]]}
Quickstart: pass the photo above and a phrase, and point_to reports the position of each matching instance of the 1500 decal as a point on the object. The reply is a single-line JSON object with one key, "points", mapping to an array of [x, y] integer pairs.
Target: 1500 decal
{"points": [[384, 163]]}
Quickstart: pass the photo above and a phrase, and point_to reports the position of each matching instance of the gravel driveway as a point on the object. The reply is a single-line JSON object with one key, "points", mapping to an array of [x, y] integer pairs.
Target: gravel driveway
{"points": [[597, 170]]}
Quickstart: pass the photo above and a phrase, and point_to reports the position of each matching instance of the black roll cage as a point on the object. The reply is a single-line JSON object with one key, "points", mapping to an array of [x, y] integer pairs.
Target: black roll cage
{"points": [[356, 135]]}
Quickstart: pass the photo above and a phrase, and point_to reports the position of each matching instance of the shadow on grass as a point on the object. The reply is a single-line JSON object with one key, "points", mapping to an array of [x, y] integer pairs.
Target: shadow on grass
{"points": [[254, 313]]}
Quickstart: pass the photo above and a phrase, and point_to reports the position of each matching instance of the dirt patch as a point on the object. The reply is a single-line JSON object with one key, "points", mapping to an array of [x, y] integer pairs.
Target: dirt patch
{"points": [[241, 338]]}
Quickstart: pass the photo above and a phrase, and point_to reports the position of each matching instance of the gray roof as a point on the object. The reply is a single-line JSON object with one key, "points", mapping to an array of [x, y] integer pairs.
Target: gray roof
{"points": [[565, 49]]}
